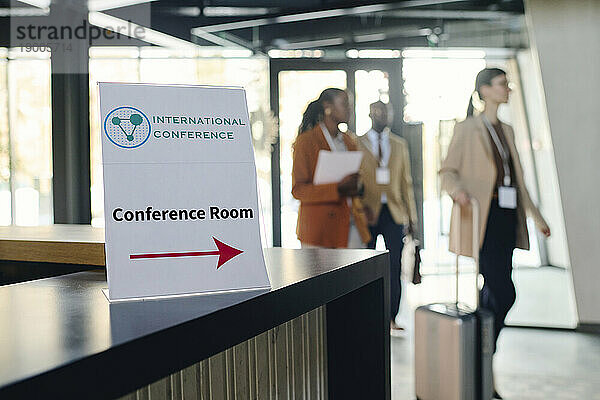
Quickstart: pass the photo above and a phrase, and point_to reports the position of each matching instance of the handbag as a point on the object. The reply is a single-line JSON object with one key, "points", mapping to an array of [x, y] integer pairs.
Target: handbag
{"points": [[411, 260], [416, 278]]}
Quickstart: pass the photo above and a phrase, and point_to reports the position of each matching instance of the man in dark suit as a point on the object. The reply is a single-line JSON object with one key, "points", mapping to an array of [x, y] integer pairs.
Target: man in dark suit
{"points": [[388, 198]]}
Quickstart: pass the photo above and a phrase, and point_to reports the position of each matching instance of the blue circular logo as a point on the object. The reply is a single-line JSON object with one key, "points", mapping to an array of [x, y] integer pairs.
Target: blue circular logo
{"points": [[127, 127]]}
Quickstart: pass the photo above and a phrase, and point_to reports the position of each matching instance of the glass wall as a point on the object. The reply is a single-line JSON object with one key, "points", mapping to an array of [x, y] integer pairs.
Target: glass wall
{"points": [[163, 66], [5, 190], [438, 87], [296, 90], [371, 86], [106, 65], [25, 139]]}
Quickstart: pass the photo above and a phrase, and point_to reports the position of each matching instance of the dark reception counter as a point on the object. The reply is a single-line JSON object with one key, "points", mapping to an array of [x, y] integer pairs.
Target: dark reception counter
{"points": [[60, 337]]}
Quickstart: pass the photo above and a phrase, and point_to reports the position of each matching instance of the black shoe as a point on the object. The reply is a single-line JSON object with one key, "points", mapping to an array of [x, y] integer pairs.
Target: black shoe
{"points": [[496, 395]]}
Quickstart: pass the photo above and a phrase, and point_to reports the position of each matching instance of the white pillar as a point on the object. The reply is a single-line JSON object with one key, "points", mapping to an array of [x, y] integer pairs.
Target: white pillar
{"points": [[564, 34]]}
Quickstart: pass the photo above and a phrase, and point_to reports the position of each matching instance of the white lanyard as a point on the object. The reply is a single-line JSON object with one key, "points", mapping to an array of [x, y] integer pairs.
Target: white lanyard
{"points": [[330, 142], [504, 155], [333, 147]]}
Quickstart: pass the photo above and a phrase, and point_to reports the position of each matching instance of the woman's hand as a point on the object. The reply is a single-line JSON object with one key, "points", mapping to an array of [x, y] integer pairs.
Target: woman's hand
{"points": [[462, 198], [348, 187]]}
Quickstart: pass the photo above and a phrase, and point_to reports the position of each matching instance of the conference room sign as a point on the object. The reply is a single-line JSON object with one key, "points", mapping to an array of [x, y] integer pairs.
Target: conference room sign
{"points": [[180, 193]]}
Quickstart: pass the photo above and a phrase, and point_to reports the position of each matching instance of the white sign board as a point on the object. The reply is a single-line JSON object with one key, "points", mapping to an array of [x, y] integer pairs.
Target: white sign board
{"points": [[180, 195]]}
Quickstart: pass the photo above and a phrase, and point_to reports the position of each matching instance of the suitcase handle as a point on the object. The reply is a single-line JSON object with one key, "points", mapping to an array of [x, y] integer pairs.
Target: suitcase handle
{"points": [[475, 245]]}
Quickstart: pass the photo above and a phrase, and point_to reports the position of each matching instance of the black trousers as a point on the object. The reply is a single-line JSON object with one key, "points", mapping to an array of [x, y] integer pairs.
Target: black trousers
{"points": [[495, 260], [393, 234]]}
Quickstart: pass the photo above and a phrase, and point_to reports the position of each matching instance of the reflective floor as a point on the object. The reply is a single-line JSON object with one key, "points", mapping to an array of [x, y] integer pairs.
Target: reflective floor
{"points": [[530, 363], [543, 296]]}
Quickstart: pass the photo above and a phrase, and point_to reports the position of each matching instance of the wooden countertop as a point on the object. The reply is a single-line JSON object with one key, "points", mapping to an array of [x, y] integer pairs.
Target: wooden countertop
{"points": [[63, 244]]}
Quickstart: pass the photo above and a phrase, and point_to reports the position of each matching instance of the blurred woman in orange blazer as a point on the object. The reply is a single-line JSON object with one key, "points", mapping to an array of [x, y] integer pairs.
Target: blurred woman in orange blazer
{"points": [[324, 217]]}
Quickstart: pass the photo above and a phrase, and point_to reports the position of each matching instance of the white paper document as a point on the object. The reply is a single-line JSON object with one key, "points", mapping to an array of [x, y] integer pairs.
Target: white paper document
{"points": [[333, 166]]}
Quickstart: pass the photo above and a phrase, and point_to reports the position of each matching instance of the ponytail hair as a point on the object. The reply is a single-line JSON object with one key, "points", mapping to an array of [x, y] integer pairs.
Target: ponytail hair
{"points": [[312, 116], [470, 108], [484, 77], [315, 110]]}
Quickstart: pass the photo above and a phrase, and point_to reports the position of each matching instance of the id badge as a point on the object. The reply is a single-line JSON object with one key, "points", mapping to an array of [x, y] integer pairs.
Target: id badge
{"points": [[507, 197], [382, 176]]}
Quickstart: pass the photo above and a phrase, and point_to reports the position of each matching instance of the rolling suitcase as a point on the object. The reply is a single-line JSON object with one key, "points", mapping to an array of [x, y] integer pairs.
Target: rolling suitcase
{"points": [[454, 344]]}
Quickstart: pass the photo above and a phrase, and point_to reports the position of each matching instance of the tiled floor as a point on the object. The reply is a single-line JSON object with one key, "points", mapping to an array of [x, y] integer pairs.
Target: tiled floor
{"points": [[530, 364]]}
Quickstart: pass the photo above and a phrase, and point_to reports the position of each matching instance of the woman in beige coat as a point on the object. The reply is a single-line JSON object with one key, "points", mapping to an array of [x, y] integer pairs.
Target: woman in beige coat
{"points": [[483, 163]]}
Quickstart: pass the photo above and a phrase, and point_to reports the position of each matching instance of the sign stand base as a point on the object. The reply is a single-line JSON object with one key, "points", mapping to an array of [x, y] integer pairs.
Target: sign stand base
{"points": [[174, 296]]}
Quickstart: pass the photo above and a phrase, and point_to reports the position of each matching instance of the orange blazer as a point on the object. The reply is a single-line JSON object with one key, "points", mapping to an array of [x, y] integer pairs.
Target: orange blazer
{"points": [[324, 216]]}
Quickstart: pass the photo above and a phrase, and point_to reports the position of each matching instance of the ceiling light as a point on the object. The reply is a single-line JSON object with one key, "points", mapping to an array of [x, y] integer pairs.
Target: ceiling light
{"points": [[106, 21], [313, 43], [102, 5], [379, 53], [443, 53], [276, 53], [24, 12], [188, 11], [237, 53], [352, 53], [114, 52], [236, 11], [370, 38], [37, 3]]}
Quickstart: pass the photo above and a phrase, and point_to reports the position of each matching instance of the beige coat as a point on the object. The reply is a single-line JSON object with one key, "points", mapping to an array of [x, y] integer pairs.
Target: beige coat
{"points": [[399, 192], [469, 166]]}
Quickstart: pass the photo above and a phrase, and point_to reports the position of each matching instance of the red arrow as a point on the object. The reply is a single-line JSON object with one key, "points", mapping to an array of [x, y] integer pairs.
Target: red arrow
{"points": [[225, 253]]}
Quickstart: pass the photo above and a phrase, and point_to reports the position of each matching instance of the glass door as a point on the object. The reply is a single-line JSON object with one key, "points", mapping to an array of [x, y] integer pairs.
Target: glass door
{"points": [[296, 90], [295, 83]]}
